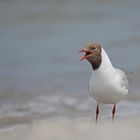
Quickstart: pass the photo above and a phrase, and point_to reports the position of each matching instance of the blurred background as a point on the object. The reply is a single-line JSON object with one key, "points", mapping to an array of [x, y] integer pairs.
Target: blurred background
{"points": [[40, 72]]}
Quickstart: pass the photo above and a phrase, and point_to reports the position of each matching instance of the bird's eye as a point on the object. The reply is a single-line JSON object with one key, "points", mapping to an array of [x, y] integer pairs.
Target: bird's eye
{"points": [[93, 48]]}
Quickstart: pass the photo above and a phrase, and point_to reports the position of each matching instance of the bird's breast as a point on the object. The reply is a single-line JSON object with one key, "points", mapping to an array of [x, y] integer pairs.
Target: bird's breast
{"points": [[105, 89]]}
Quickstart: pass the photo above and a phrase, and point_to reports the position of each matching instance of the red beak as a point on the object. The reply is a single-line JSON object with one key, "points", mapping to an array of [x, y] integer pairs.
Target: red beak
{"points": [[86, 54], [82, 57]]}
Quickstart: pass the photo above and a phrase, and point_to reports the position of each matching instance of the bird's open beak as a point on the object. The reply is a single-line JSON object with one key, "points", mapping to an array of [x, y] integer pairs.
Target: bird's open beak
{"points": [[87, 53]]}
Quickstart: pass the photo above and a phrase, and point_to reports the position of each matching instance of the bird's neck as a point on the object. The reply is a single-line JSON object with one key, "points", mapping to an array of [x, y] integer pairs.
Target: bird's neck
{"points": [[106, 65]]}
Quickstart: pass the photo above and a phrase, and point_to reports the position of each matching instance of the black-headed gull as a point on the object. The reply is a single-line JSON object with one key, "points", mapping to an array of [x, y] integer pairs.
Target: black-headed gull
{"points": [[107, 85]]}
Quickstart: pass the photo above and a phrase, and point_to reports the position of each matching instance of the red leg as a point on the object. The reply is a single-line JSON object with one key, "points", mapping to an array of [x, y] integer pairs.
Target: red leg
{"points": [[97, 112], [113, 111]]}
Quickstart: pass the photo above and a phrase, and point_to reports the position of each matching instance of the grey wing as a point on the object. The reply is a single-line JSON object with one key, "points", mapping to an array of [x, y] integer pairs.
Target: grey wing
{"points": [[125, 82]]}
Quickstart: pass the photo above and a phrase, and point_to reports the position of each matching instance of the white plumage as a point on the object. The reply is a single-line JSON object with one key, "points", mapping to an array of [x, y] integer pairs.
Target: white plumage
{"points": [[108, 85]]}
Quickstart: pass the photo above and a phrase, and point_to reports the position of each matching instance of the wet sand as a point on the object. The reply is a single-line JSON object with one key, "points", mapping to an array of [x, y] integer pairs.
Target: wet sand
{"points": [[124, 129]]}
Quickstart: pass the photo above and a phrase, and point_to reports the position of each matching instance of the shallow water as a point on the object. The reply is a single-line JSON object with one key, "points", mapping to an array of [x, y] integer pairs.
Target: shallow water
{"points": [[40, 71]]}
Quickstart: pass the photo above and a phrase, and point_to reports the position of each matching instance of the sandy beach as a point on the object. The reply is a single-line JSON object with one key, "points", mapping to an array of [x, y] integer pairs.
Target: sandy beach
{"points": [[124, 129]]}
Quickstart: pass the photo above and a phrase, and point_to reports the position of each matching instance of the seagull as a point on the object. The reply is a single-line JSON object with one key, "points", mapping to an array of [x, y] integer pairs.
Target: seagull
{"points": [[108, 85]]}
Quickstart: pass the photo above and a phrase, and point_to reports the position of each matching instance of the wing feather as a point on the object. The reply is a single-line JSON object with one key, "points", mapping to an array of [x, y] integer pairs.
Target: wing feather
{"points": [[124, 81]]}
